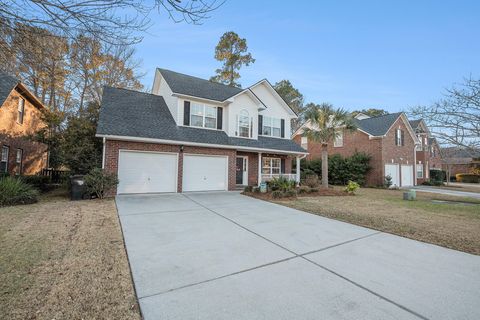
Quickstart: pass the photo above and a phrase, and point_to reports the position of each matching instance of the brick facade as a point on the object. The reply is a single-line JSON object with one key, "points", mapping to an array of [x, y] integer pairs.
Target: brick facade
{"points": [[381, 149], [15, 135], [112, 148]]}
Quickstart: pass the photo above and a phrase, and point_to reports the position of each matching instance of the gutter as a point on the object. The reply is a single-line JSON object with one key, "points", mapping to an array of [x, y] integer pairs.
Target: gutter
{"points": [[103, 153]]}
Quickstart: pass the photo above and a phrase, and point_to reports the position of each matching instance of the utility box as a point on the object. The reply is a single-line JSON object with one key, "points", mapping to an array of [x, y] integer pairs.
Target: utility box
{"points": [[77, 188], [263, 187], [410, 195]]}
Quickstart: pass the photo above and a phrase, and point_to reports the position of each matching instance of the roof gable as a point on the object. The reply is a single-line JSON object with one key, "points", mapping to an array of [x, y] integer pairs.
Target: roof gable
{"points": [[377, 126], [192, 86], [7, 84]]}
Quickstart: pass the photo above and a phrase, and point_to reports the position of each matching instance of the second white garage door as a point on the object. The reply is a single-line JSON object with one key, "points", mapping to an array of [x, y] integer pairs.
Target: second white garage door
{"points": [[204, 173], [407, 175]]}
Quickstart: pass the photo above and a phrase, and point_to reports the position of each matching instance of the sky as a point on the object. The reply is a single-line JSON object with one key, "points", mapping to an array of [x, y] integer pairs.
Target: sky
{"points": [[352, 54]]}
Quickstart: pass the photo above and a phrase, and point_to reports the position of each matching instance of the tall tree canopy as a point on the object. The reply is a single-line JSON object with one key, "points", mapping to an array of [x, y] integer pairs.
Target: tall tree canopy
{"points": [[372, 112], [231, 50], [293, 98], [455, 119]]}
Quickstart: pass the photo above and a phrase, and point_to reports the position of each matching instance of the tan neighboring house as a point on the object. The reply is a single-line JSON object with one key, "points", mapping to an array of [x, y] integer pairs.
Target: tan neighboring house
{"points": [[389, 140], [20, 117]]}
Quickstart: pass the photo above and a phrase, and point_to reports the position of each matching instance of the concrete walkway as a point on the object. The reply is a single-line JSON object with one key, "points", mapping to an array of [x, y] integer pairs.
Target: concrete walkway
{"points": [[448, 192], [227, 256]]}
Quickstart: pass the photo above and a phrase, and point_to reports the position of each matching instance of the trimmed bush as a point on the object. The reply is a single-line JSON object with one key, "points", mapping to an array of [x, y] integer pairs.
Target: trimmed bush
{"points": [[277, 194], [388, 181], [290, 193], [41, 183], [352, 187], [281, 183], [438, 175], [432, 183], [303, 189], [99, 182], [311, 181], [14, 191], [467, 177], [248, 189]]}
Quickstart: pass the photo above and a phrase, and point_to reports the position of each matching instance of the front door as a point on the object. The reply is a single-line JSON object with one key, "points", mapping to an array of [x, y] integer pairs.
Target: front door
{"points": [[240, 170]]}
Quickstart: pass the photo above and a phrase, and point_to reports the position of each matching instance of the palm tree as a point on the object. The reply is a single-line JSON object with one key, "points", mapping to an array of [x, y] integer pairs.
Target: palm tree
{"points": [[323, 124]]}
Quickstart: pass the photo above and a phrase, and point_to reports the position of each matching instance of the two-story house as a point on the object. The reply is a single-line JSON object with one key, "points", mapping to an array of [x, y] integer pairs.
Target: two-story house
{"points": [[191, 134], [388, 139], [20, 118], [428, 156]]}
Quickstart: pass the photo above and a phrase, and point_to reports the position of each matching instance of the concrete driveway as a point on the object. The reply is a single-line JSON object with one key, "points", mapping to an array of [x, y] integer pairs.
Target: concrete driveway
{"points": [[227, 256], [448, 192]]}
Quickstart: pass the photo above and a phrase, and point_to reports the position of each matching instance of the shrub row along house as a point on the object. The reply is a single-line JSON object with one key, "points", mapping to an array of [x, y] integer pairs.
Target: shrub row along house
{"points": [[191, 134], [20, 118], [397, 149]]}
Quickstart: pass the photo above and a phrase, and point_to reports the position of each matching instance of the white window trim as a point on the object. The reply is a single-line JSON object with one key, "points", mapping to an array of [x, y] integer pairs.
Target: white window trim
{"points": [[419, 172], [398, 143], [2, 159], [21, 109], [271, 127], [338, 141], [203, 115], [304, 142], [249, 126], [271, 167]]}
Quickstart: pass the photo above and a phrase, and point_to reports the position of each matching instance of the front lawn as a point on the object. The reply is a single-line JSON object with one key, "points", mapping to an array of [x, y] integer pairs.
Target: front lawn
{"points": [[452, 225], [64, 260]]}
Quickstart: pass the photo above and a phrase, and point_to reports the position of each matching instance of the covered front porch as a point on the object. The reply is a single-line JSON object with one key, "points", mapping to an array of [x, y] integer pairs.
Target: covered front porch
{"points": [[253, 168]]}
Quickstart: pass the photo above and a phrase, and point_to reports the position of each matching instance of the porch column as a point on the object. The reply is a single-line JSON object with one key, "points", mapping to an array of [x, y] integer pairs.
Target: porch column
{"points": [[297, 171], [259, 168]]}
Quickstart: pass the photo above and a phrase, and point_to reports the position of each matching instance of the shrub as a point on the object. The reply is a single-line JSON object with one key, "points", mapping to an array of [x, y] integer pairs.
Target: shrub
{"points": [[256, 190], [41, 183], [311, 181], [99, 182], [312, 190], [15, 191], [277, 194], [388, 181], [352, 187], [432, 182], [248, 189], [290, 193], [437, 175], [467, 177], [303, 189], [281, 183]]}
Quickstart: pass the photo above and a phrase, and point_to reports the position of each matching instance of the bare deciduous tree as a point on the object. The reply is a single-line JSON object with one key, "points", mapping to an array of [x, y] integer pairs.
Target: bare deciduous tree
{"points": [[455, 119]]}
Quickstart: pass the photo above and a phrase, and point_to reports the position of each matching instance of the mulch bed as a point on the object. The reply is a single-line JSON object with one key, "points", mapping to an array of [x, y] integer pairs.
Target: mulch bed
{"points": [[320, 193]]}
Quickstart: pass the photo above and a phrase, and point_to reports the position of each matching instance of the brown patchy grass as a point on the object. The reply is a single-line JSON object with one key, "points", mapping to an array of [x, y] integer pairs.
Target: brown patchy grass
{"points": [[64, 260], [455, 226]]}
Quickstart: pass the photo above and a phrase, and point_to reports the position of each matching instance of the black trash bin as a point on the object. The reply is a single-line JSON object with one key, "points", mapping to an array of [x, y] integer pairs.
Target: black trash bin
{"points": [[77, 188]]}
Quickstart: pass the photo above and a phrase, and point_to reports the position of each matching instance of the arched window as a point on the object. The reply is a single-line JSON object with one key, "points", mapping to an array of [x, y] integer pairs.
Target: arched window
{"points": [[244, 124]]}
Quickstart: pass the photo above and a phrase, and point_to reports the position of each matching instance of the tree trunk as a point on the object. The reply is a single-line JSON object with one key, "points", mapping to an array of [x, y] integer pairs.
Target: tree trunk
{"points": [[324, 166]]}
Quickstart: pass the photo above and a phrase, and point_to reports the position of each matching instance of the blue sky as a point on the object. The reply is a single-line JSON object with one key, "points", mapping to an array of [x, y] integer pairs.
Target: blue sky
{"points": [[353, 54]]}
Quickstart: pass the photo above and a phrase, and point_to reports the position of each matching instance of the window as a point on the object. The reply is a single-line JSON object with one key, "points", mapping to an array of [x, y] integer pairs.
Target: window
{"points": [[271, 165], [272, 127], [21, 110], [243, 124], [432, 152], [4, 159], [19, 160], [420, 170], [338, 141], [304, 143], [203, 116], [399, 137]]}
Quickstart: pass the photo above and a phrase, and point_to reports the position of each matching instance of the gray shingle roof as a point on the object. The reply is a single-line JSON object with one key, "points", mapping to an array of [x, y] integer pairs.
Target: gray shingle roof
{"points": [[137, 114], [197, 87], [378, 126], [7, 84], [415, 123]]}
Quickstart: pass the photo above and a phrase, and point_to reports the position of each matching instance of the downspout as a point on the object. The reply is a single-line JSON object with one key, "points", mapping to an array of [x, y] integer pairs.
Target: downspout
{"points": [[415, 165], [103, 153]]}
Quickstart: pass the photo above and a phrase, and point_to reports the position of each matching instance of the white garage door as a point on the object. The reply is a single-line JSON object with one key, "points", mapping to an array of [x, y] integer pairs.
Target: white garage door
{"points": [[145, 172], [407, 175], [204, 173], [392, 171]]}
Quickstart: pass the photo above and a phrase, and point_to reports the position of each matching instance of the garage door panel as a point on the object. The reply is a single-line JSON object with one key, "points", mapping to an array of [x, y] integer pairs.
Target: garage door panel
{"points": [[146, 172], [393, 171], [407, 175], [204, 173]]}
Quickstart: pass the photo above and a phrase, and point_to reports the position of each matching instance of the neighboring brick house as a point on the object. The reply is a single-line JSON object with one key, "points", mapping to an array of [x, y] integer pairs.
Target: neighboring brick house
{"points": [[459, 160], [388, 139], [191, 134], [20, 117], [428, 151]]}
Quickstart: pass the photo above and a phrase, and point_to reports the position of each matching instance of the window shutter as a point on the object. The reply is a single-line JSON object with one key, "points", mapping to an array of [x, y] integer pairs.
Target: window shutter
{"points": [[186, 113], [282, 125], [260, 124], [219, 118], [403, 137], [396, 137], [282, 165]]}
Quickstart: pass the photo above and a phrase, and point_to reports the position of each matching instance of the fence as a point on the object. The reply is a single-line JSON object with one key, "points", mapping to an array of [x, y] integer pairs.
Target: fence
{"points": [[56, 176]]}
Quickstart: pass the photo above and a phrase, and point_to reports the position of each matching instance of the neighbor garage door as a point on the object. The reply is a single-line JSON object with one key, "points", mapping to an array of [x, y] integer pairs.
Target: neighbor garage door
{"points": [[146, 172], [204, 173], [392, 171], [407, 175]]}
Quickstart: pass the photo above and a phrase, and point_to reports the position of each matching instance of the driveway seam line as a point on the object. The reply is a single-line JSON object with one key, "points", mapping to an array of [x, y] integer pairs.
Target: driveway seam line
{"points": [[340, 244], [220, 277], [366, 289], [157, 212]]}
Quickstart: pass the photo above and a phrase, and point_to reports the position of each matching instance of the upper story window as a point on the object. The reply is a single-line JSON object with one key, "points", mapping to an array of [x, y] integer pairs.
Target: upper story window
{"points": [[4, 159], [432, 151], [399, 137], [338, 141], [202, 115], [272, 127], [420, 171], [244, 124], [21, 110], [304, 143]]}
